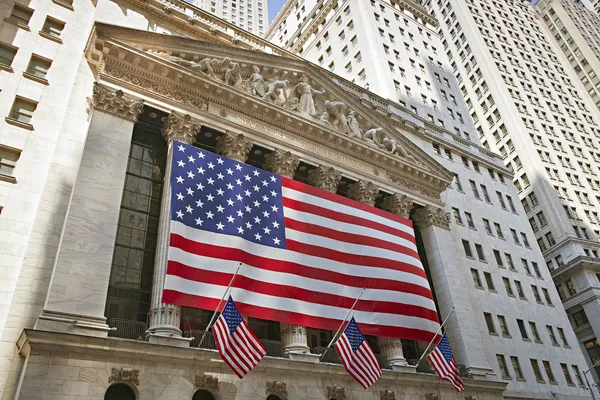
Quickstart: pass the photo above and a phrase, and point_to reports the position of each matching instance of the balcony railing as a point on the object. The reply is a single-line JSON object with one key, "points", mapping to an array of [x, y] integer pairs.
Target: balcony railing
{"points": [[273, 347], [127, 329]]}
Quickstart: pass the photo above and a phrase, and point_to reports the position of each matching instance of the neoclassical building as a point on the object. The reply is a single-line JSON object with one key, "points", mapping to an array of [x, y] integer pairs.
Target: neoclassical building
{"points": [[85, 210]]}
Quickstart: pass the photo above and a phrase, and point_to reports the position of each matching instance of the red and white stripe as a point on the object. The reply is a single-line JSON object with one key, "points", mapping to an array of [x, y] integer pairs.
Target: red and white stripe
{"points": [[361, 364], [447, 371], [242, 350], [335, 247]]}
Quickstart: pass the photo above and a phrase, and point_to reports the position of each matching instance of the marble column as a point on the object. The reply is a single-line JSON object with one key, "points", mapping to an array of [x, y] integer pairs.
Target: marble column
{"points": [[233, 146], [293, 337], [448, 273], [165, 319], [77, 292], [326, 178]]}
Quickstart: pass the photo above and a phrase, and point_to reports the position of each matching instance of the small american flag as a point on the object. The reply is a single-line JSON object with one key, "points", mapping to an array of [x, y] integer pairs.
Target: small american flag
{"points": [[442, 361], [357, 356], [237, 344]]}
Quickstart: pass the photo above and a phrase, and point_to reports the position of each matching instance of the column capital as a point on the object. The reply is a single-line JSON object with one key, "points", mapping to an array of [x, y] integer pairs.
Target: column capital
{"points": [[233, 146], [429, 215], [324, 178], [282, 162], [116, 102], [363, 191], [180, 127], [398, 204]]}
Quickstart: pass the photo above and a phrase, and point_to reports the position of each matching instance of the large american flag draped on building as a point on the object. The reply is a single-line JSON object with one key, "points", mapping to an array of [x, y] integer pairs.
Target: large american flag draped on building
{"points": [[357, 356], [237, 344], [442, 361], [307, 253]]}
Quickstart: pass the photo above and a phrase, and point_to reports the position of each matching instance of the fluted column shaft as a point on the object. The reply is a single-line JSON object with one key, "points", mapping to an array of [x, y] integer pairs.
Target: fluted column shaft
{"points": [[165, 318], [293, 337]]}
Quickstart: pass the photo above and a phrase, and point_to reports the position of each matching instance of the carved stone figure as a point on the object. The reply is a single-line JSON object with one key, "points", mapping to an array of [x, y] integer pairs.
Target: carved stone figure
{"points": [[259, 87], [274, 91], [324, 117], [337, 115], [393, 147], [374, 136], [232, 75], [305, 93], [206, 66], [353, 125]]}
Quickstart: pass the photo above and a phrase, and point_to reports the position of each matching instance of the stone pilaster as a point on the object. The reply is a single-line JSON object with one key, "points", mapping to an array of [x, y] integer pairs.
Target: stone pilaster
{"points": [[165, 318], [78, 288], [363, 191], [398, 204], [233, 146], [326, 178]]}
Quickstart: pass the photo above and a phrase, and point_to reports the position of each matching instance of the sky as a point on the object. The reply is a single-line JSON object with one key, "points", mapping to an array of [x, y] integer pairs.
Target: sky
{"points": [[274, 7]]}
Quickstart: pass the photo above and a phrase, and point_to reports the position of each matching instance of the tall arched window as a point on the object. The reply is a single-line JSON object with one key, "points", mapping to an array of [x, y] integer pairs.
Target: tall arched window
{"points": [[119, 391], [203, 395]]}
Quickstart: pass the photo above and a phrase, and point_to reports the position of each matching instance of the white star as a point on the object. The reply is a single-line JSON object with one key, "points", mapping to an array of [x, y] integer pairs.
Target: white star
{"points": [[200, 186], [210, 197], [240, 213], [229, 186], [273, 193], [199, 221], [275, 224], [248, 209], [247, 178], [274, 208], [220, 176], [229, 202], [265, 183], [257, 220], [248, 225], [180, 163], [273, 179], [229, 171], [220, 226], [179, 214], [220, 192], [211, 165], [267, 230], [276, 241], [238, 197], [256, 204], [181, 148], [179, 179], [189, 209], [179, 196], [191, 174], [201, 170], [191, 159], [230, 219], [220, 208], [190, 192], [201, 155], [199, 203], [238, 167], [266, 214], [257, 236], [240, 230], [247, 193], [256, 188], [209, 215], [265, 198], [220, 161], [238, 182], [210, 181], [255, 172]]}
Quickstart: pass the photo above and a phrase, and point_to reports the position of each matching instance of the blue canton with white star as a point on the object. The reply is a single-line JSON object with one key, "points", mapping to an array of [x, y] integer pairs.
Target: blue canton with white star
{"points": [[232, 315], [217, 194], [354, 335], [444, 347]]}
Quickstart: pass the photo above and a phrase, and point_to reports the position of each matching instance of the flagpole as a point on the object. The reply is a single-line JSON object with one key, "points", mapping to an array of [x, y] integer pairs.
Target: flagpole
{"points": [[434, 336], [218, 306], [342, 324]]}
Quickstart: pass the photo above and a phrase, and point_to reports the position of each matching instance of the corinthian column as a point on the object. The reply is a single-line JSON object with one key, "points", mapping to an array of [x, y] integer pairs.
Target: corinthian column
{"points": [[293, 337], [233, 146], [165, 318], [324, 178]]}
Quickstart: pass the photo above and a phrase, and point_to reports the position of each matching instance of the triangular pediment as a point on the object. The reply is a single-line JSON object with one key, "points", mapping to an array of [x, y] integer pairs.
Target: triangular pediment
{"points": [[300, 96]]}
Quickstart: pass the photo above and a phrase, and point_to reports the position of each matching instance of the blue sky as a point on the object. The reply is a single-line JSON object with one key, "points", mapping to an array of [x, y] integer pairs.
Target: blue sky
{"points": [[274, 7]]}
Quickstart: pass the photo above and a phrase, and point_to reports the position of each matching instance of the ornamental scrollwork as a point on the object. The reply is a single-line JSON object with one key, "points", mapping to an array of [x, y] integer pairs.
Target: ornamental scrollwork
{"points": [[124, 375], [207, 382], [387, 395], [336, 393], [277, 388]]}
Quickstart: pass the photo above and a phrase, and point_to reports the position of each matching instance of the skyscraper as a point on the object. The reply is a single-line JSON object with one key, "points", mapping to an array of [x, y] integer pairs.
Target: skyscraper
{"points": [[251, 15], [394, 49]]}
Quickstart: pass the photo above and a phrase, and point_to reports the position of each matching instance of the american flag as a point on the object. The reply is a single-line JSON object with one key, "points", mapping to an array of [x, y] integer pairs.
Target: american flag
{"points": [[357, 356], [237, 344], [442, 361], [306, 253]]}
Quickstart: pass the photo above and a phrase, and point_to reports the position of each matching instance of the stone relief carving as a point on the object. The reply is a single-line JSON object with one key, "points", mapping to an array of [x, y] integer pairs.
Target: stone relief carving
{"points": [[232, 75], [274, 91], [282, 162], [336, 393], [324, 178], [116, 102], [180, 127], [387, 395], [233, 146], [400, 181], [429, 215], [355, 130], [363, 191], [258, 84], [124, 375], [305, 92], [277, 388], [336, 111], [431, 396], [398, 204]]}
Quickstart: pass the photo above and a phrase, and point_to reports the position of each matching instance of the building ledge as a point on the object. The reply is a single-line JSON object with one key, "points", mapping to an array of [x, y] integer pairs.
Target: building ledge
{"points": [[6, 68], [17, 23], [8, 178], [20, 124], [63, 4], [50, 37], [35, 78]]}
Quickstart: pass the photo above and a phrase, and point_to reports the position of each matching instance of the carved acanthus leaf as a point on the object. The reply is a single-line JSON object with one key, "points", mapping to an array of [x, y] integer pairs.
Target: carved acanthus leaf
{"points": [[324, 178], [387, 395], [233, 146], [336, 393], [124, 375], [398, 204], [207, 382], [429, 215], [431, 396], [282, 162], [116, 102], [277, 388], [363, 191], [180, 127]]}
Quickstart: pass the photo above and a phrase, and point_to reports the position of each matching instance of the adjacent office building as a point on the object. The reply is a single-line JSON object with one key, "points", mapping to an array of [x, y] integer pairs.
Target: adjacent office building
{"points": [[251, 15]]}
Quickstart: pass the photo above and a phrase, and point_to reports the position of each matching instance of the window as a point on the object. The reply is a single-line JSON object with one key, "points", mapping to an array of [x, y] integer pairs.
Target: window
{"points": [[509, 261], [7, 55], [567, 374], [570, 287], [469, 219], [503, 326], [549, 372], [580, 318], [515, 236], [561, 333], [476, 278], [577, 375], [490, 323], [534, 332], [486, 194], [508, 287], [20, 14], [536, 294], [522, 329], [547, 296], [38, 66], [486, 225], [520, 290], [536, 269], [480, 253], [8, 162], [467, 247], [53, 28], [457, 216], [552, 335], [525, 240], [517, 368], [499, 230], [489, 281], [498, 258], [22, 110], [536, 370], [503, 367], [474, 189]]}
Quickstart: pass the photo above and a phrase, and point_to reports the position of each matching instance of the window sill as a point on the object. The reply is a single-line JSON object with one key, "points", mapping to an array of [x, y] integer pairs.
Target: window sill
{"points": [[507, 378], [543, 382], [539, 341], [523, 298], [555, 383], [493, 333], [8, 178], [35, 78], [50, 37], [20, 124], [6, 68], [521, 379], [62, 4], [507, 336], [17, 24]]}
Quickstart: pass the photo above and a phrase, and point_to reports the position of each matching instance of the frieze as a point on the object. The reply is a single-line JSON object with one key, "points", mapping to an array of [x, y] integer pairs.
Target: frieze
{"points": [[414, 187], [124, 375]]}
